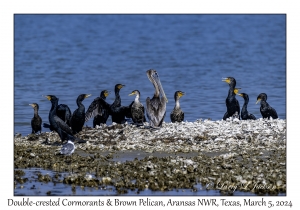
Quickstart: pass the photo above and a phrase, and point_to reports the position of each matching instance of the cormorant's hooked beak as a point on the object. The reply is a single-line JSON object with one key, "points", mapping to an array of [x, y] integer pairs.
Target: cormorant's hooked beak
{"points": [[132, 93], [236, 90], [48, 97], [258, 100], [227, 80], [181, 94], [121, 86], [87, 95], [32, 105], [106, 93]]}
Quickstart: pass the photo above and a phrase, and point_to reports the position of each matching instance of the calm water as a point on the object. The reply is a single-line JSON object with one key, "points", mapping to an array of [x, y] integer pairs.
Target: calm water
{"points": [[67, 55]]}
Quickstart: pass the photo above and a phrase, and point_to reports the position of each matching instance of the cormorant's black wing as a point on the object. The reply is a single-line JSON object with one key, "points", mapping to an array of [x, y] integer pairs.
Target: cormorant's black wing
{"points": [[64, 112], [63, 126], [96, 108], [273, 113], [226, 116], [252, 117], [127, 110]]}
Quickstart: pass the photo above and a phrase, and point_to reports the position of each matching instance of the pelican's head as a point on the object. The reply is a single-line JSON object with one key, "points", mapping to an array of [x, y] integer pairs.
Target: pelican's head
{"points": [[154, 78]]}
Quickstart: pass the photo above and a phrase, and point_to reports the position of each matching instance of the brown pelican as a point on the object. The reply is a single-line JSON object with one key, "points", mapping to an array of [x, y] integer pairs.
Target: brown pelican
{"points": [[265, 109], [137, 109], [156, 107], [177, 114], [36, 121], [232, 103]]}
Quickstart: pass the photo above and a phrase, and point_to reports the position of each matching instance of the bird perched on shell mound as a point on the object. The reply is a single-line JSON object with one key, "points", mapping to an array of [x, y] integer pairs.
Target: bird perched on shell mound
{"points": [[36, 121], [78, 116], [232, 103], [57, 124], [265, 109], [99, 109], [68, 148], [244, 113], [64, 113], [137, 109], [118, 112], [177, 114], [156, 106]]}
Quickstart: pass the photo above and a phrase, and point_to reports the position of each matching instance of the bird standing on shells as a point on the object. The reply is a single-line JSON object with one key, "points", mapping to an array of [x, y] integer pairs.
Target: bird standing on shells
{"points": [[58, 125], [244, 113], [232, 103], [265, 109], [177, 114], [67, 149], [156, 107], [137, 109], [78, 116], [99, 109], [64, 113], [36, 121], [118, 112]]}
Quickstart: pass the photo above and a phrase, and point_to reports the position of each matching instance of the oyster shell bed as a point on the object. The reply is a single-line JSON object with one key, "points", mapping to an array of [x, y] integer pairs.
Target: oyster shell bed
{"points": [[250, 155]]}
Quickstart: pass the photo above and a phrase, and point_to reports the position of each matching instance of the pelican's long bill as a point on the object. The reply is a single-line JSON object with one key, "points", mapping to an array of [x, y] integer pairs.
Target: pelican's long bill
{"points": [[159, 86]]}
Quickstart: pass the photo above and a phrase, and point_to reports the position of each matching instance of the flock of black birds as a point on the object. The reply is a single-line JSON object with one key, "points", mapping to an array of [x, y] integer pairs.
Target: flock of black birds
{"points": [[233, 107], [67, 124]]}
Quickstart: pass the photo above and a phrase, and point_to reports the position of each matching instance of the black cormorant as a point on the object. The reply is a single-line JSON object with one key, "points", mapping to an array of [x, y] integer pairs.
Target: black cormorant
{"points": [[118, 112], [78, 116], [265, 109], [64, 113], [232, 103], [99, 109], [245, 115], [137, 109], [177, 114], [36, 121], [57, 124], [156, 107]]}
